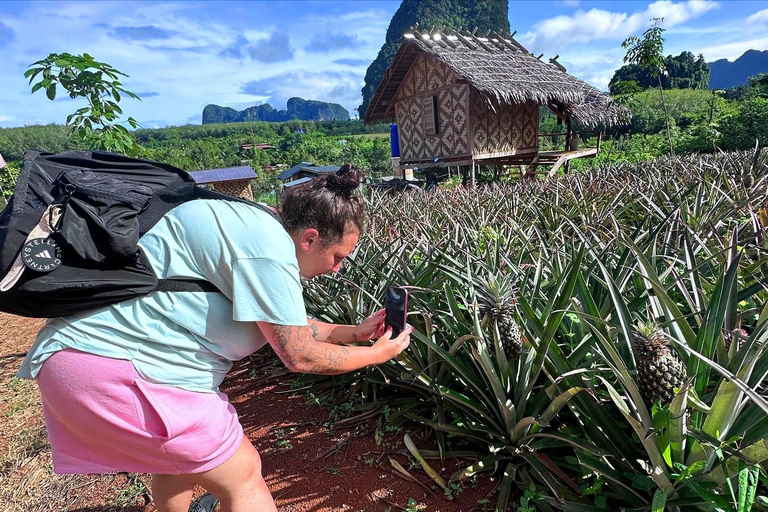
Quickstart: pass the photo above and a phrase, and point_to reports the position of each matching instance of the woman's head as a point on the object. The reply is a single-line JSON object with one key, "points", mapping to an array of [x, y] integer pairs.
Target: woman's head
{"points": [[325, 217]]}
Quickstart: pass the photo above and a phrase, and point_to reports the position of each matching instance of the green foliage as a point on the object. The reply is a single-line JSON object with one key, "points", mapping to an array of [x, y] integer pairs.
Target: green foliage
{"points": [[256, 131], [700, 121], [52, 138], [745, 125], [686, 107], [758, 85], [81, 76], [8, 176], [682, 72], [484, 14]]}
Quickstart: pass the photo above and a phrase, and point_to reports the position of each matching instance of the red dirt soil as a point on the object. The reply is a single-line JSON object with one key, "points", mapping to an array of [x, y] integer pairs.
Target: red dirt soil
{"points": [[308, 464]]}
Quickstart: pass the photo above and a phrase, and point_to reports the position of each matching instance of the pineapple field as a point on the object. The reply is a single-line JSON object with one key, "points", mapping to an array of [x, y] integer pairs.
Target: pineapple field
{"points": [[597, 340]]}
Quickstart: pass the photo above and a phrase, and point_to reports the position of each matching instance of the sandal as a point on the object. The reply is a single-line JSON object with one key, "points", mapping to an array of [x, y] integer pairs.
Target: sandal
{"points": [[205, 503]]}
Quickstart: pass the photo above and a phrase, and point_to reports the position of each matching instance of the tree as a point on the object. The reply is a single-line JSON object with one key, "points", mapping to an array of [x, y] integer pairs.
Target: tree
{"points": [[81, 76], [648, 53], [683, 71], [758, 86]]}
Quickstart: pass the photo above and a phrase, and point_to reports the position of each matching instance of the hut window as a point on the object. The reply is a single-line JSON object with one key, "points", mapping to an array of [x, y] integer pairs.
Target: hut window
{"points": [[431, 121]]}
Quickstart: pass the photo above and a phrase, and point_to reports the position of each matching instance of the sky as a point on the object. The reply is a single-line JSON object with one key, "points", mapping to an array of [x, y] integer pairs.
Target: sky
{"points": [[181, 56]]}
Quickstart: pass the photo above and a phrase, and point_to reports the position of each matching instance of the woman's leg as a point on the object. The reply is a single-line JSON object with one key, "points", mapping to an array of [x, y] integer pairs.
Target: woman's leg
{"points": [[238, 483], [171, 493]]}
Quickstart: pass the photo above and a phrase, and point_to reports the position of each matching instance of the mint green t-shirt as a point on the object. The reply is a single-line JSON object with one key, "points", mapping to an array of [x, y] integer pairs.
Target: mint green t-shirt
{"points": [[190, 339]]}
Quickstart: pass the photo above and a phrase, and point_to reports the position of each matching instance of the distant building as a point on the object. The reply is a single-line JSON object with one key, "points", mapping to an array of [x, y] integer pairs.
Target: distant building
{"points": [[305, 170], [233, 181], [247, 146]]}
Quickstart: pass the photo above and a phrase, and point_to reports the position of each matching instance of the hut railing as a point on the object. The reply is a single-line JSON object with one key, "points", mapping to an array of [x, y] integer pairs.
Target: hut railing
{"points": [[559, 141]]}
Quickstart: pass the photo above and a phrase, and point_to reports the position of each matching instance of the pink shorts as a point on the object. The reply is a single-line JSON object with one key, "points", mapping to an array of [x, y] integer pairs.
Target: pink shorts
{"points": [[102, 416]]}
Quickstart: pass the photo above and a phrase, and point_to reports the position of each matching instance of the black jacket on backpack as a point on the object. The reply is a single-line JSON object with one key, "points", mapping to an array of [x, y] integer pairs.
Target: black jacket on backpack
{"points": [[106, 203]]}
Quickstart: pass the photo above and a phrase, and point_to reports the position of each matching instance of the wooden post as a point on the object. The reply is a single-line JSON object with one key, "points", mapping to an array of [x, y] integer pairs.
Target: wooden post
{"points": [[599, 139], [568, 133], [472, 181]]}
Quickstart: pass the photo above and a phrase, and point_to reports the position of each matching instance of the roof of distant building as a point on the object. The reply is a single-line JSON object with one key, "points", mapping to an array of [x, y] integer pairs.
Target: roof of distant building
{"points": [[229, 174], [297, 182], [308, 168]]}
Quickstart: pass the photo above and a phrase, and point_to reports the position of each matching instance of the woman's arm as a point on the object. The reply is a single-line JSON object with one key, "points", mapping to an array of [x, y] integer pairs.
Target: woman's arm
{"points": [[301, 352], [332, 333], [370, 328]]}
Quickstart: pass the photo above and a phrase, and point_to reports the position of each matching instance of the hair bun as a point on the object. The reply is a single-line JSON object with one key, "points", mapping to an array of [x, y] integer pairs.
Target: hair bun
{"points": [[344, 181]]}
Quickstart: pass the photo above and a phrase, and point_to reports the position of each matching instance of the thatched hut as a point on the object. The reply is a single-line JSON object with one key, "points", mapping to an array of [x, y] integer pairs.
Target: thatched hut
{"points": [[463, 99]]}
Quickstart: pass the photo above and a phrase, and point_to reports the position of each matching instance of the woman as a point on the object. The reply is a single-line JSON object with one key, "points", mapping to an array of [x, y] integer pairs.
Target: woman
{"points": [[134, 386]]}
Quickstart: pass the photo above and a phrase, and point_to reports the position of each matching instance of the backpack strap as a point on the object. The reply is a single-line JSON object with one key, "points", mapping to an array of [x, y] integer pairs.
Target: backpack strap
{"points": [[185, 285], [204, 193]]}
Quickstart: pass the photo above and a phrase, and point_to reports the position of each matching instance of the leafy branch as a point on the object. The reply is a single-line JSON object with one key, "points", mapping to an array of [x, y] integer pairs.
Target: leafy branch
{"points": [[81, 76]]}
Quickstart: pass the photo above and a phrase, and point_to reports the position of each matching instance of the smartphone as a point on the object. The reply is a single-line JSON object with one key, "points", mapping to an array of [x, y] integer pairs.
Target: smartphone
{"points": [[396, 306]]}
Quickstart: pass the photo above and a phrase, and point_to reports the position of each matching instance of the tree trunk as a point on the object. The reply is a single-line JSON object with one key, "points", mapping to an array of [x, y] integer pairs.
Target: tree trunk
{"points": [[666, 119]]}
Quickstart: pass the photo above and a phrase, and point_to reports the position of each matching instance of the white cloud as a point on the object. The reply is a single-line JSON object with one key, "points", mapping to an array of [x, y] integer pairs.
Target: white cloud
{"points": [[599, 24], [733, 51], [4, 118], [601, 82], [758, 17], [569, 3]]}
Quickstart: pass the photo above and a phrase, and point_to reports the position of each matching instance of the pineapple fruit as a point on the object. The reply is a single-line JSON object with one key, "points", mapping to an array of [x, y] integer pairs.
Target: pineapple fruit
{"points": [[659, 369], [496, 303]]}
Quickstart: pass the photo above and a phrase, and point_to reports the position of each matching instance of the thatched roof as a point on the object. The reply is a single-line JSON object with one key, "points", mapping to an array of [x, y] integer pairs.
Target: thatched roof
{"points": [[502, 71]]}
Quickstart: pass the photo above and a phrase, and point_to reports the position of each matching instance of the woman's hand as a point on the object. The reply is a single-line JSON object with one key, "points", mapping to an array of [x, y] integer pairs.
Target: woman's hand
{"points": [[390, 347], [371, 328]]}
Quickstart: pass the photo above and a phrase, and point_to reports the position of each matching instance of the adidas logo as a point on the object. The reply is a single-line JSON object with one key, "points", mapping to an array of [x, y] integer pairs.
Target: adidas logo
{"points": [[44, 254]]}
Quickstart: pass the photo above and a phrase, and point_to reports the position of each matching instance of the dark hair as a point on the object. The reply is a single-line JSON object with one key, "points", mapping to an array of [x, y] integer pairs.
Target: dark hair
{"points": [[328, 204]]}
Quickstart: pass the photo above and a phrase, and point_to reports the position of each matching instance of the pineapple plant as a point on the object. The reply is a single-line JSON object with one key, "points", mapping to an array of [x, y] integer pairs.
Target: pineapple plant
{"points": [[659, 369], [737, 334], [496, 301]]}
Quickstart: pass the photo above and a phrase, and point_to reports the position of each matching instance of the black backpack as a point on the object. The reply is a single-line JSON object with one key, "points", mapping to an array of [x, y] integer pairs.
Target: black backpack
{"points": [[86, 212]]}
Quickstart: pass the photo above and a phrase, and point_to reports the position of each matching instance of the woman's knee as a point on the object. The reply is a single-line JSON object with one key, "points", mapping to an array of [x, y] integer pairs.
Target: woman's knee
{"points": [[240, 472], [252, 465]]}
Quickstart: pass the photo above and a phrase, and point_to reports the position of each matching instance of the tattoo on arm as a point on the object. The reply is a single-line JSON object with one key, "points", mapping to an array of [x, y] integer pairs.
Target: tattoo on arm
{"points": [[354, 336], [296, 347], [314, 330]]}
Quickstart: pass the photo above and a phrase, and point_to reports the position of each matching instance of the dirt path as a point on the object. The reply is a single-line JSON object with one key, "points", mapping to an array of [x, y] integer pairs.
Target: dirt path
{"points": [[310, 464]]}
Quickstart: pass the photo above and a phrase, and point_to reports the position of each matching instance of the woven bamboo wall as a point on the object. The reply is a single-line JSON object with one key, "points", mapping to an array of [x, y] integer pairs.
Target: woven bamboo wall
{"points": [[428, 77], [510, 129], [236, 188]]}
